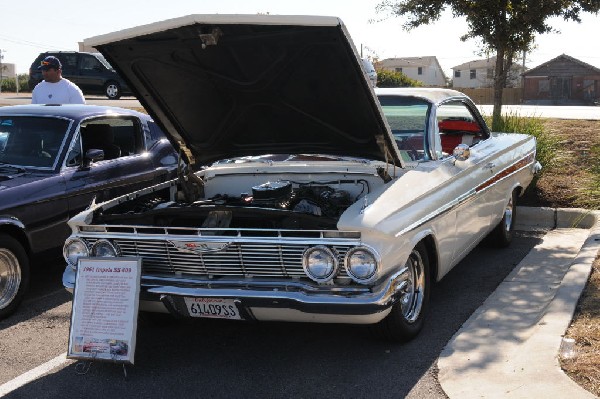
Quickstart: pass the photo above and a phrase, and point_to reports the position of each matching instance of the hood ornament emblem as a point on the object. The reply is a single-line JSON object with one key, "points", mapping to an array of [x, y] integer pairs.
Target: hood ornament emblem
{"points": [[198, 248]]}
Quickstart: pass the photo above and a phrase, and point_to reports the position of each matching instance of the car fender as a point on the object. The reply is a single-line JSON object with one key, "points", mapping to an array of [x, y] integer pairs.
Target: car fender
{"points": [[16, 228]]}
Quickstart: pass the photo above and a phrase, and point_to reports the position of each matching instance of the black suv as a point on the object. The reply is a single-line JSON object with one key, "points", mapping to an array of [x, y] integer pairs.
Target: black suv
{"points": [[90, 71]]}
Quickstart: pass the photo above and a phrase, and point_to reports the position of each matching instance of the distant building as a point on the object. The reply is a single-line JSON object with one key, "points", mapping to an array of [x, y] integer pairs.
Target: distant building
{"points": [[7, 70], [563, 80], [480, 73], [425, 69]]}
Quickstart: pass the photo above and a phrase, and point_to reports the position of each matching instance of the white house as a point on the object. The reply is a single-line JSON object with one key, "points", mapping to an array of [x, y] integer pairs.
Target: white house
{"points": [[426, 69], [480, 73]]}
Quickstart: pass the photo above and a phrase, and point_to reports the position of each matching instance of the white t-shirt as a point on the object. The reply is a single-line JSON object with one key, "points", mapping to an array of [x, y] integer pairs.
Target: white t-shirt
{"points": [[62, 92]]}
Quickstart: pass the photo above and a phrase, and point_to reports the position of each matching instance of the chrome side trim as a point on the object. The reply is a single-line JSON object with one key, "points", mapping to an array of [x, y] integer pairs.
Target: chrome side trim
{"points": [[470, 195], [12, 221]]}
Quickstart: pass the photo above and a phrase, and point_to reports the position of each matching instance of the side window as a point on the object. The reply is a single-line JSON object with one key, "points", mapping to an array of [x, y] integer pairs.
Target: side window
{"points": [[117, 137], [74, 158], [90, 63], [69, 62], [156, 134], [457, 125]]}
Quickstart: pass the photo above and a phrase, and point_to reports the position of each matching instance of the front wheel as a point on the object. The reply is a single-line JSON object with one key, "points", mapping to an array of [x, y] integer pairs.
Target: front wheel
{"points": [[14, 274], [112, 90], [407, 316]]}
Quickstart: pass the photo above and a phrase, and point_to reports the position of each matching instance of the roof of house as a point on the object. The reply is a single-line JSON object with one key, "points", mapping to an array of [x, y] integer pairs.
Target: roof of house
{"points": [[565, 57], [409, 61], [475, 64]]}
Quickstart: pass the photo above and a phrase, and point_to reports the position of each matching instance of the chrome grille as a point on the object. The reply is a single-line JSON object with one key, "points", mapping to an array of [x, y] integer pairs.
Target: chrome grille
{"points": [[247, 259]]}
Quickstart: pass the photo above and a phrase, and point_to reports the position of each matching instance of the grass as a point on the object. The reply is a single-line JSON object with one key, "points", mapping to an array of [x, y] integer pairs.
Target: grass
{"points": [[547, 144]]}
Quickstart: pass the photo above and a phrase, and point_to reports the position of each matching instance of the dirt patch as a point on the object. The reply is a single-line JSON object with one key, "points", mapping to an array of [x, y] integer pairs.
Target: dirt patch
{"points": [[584, 368], [572, 182], [564, 184]]}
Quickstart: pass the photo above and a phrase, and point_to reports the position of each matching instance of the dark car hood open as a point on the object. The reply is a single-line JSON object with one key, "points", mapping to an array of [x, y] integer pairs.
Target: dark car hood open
{"points": [[226, 86]]}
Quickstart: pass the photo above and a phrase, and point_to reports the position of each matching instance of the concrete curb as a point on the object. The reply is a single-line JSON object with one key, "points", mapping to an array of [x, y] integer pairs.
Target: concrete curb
{"points": [[529, 218], [509, 346]]}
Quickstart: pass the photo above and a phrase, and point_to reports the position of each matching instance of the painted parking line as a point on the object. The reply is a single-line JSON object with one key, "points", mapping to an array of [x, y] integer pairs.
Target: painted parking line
{"points": [[31, 375]]}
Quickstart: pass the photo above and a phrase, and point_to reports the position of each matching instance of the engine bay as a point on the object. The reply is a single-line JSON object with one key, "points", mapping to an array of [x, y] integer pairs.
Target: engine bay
{"points": [[278, 204]]}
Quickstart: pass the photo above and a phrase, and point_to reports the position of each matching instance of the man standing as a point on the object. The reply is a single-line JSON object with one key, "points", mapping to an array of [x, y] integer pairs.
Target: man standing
{"points": [[55, 89]]}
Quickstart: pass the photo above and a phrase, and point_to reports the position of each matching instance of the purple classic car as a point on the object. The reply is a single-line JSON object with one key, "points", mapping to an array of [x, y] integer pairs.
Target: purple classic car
{"points": [[54, 161]]}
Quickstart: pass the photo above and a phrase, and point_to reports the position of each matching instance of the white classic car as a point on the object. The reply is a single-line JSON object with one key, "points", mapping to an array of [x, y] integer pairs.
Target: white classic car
{"points": [[306, 194]]}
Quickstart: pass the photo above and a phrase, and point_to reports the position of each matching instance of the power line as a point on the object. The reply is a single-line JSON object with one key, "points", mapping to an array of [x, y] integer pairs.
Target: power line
{"points": [[27, 43]]}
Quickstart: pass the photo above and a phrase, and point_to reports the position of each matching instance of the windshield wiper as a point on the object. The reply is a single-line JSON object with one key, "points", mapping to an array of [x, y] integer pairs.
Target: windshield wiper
{"points": [[4, 165]]}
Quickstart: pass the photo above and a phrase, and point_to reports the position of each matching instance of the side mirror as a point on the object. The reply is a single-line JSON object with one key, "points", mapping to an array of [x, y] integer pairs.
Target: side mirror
{"points": [[92, 155], [461, 152]]}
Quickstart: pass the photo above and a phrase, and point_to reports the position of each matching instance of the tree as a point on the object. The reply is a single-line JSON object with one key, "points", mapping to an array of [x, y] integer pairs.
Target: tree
{"points": [[395, 79], [505, 27]]}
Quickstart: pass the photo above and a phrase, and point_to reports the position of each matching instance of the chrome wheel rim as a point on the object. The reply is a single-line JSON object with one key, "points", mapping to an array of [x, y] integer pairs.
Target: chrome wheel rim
{"points": [[10, 277], [112, 90], [414, 292], [508, 215]]}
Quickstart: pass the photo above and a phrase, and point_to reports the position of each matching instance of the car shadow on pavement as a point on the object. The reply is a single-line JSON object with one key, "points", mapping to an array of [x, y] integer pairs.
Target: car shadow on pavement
{"points": [[220, 359]]}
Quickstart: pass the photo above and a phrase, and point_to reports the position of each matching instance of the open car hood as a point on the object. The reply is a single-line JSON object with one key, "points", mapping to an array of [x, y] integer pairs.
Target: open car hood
{"points": [[225, 86]]}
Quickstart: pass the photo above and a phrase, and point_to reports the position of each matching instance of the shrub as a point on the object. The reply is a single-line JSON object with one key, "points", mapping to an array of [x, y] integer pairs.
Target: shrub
{"points": [[10, 85], [395, 79], [547, 144]]}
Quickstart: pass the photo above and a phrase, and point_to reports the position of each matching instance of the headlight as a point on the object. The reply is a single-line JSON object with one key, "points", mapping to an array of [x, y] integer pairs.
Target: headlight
{"points": [[320, 264], [74, 249], [361, 265], [104, 249]]}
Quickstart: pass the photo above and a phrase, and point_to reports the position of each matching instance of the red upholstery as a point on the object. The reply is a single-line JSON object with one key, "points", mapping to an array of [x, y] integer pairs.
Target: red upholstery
{"points": [[454, 132], [450, 141], [458, 125]]}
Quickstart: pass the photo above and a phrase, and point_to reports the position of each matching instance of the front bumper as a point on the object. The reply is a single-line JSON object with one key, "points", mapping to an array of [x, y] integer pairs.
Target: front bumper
{"points": [[273, 300]]}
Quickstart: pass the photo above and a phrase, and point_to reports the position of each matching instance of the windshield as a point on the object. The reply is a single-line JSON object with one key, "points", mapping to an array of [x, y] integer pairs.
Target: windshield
{"points": [[31, 141], [407, 118]]}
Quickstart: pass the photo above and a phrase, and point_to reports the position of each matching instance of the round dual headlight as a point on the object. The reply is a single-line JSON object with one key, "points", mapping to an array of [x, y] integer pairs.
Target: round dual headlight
{"points": [[74, 249], [104, 249], [320, 264], [361, 265]]}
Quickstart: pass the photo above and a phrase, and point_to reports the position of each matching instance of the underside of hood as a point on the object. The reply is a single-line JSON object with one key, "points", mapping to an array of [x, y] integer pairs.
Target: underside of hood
{"points": [[226, 86]]}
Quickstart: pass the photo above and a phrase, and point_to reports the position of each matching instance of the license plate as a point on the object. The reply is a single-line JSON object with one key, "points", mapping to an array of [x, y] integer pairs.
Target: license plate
{"points": [[214, 308]]}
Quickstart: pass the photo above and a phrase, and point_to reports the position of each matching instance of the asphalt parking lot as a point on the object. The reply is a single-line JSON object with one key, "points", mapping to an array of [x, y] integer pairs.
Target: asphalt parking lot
{"points": [[229, 359]]}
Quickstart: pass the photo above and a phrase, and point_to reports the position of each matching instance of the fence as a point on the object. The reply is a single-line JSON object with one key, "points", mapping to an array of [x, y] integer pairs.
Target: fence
{"points": [[510, 96]]}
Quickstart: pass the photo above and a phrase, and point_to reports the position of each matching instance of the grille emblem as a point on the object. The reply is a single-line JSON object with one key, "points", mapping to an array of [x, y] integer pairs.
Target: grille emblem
{"points": [[199, 247]]}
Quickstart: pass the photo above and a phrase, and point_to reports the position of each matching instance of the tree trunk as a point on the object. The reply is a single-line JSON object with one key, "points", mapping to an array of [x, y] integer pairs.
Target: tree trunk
{"points": [[499, 83]]}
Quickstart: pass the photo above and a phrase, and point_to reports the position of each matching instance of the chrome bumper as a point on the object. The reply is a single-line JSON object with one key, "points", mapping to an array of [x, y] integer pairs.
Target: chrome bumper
{"points": [[354, 302]]}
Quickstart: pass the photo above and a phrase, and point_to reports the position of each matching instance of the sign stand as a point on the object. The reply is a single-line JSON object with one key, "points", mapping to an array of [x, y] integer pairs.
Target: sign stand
{"points": [[105, 309]]}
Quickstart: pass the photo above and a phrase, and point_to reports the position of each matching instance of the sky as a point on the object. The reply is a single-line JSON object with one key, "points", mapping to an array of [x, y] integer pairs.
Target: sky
{"points": [[28, 28]]}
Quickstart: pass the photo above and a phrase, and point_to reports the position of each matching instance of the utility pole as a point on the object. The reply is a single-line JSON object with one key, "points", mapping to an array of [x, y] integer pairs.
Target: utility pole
{"points": [[1, 68]]}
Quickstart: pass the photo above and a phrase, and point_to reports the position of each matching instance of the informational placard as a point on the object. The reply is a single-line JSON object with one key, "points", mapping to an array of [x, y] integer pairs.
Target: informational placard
{"points": [[105, 309]]}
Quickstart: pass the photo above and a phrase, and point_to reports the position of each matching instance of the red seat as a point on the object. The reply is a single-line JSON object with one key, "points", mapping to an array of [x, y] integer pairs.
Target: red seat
{"points": [[451, 125], [456, 131], [450, 141]]}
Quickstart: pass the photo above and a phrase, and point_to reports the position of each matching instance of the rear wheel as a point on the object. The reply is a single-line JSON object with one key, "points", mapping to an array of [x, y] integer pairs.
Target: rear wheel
{"points": [[14, 274], [112, 90], [407, 316], [503, 233]]}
